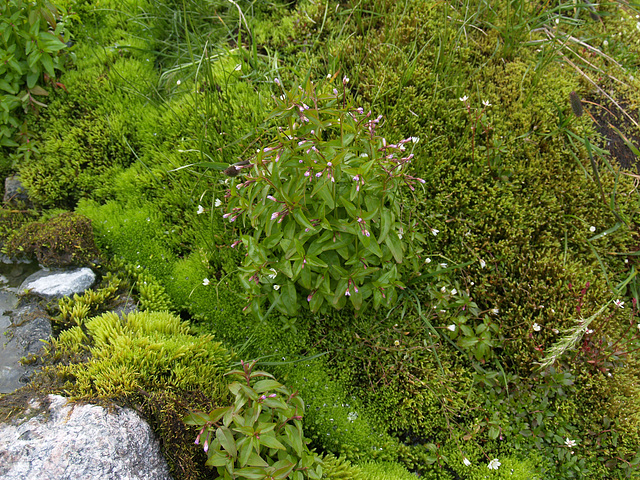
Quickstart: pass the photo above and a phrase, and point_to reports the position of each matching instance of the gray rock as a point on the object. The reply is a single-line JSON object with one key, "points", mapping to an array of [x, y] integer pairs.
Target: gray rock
{"points": [[23, 332], [58, 283], [80, 442], [15, 193]]}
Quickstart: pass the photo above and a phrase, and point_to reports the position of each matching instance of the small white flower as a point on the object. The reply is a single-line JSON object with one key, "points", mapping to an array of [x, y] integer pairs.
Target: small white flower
{"points": [[536, 327], [276, 81], [328, 76], [428, 260], [605, 43], [200, 209], [454, 291], [495, 311], [178, 82], [345, 80], [352, 416], [464, 99], [486, 103], [619, 303], [451, 328], [217, 202], [592, 229], [276, 287], [557, 21], [400, 233], [570, 443], [205, 282], [273, 273], [443, 265], [415, 139], [238, 68], [494, 464], [589, 331], [435, 231], [443, 289], [466, 462], [396, 342], [482, 263]]}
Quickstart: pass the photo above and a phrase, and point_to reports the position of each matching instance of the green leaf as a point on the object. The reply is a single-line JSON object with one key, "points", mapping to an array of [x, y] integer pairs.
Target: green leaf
{"points": [[196, 418], [395, 246], [225, 437], [282, 469], [217, 413], [216, 459], [245, 452], [265, 385], [302, 219], [316, 302], [252, 473], [386, 221], [271, 442], [294, 436]]}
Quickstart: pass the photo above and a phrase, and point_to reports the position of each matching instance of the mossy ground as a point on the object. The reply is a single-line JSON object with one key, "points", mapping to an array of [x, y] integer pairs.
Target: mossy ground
{"points": [[536, 224]]}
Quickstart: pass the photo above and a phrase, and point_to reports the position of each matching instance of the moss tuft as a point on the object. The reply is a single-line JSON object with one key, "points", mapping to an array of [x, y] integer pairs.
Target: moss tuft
{"points": [[66, 239]]}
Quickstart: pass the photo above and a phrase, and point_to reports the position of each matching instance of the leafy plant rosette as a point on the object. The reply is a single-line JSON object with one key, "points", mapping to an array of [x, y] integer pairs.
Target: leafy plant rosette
{"points": [[260, 436], [32, 37], [324, 202]]}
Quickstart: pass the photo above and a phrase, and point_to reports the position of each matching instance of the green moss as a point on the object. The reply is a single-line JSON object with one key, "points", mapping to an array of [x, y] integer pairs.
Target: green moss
{"points": [[338, 468], [385, 471], [143, 350], [66, 239]]}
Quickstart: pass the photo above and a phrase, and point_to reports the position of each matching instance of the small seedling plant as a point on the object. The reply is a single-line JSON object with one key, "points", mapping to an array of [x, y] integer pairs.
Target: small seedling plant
{"points": [[260, 436], [321, 205]]}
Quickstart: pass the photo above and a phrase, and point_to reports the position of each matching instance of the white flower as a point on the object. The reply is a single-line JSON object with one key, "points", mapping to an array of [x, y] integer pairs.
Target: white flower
{"points": [[589, 331], [464, 99], [435, 231], [570, 443], [592, 229], [328, 76], [276, 81], [443, 289], [276, 287], [178, 82], [200, 209], [495, 311], [494, 464], [454, 291], [486, 103], [352, 416], [238, 68], [205, 282], [619, 303], [400, 233], [396, 342], [482, 263], [466, 462], [443, 265], [605, 43], [273, 273], [536, 327], [217, 202], [428, 260], [415, 139], [451, 328]]}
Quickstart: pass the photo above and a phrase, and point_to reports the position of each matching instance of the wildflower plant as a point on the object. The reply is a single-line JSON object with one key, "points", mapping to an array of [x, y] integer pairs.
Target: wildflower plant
{"points": [[321, 206], [260, 436]]}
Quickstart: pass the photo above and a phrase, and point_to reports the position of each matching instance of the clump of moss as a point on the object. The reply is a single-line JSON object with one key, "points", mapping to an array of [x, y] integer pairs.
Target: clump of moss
{"points": [[142, 350], [66, 239]]}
